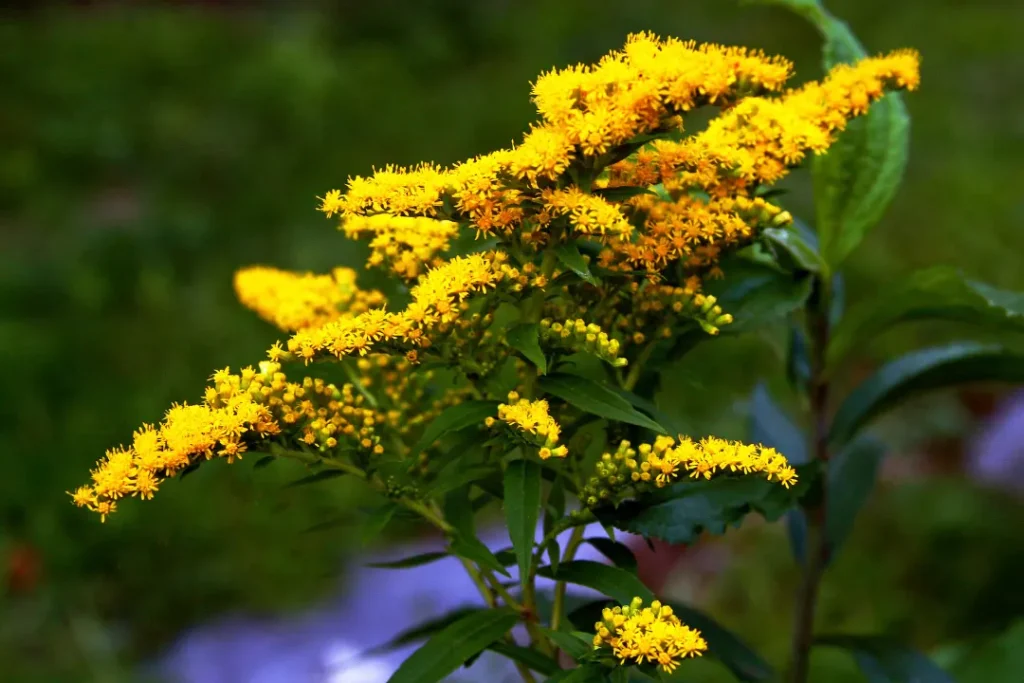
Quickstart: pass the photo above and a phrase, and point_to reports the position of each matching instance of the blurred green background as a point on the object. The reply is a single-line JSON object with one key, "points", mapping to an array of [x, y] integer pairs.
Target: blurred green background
{"points": [[148, 150]]}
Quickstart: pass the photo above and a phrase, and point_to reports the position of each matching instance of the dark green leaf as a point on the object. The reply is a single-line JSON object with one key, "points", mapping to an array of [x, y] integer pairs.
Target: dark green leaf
{"points": [[264, 461], [412, 561], [447, 650], [619, 194], [757, 295], [771, 426], [798, 358], [801, 248], [422, 630], [616, 583], [851, 477], [585, 673], [796, 529], [454, 418], [377, 520], [919, 372], [524, 655], [470, 548], [884, 661], [569, 254], [940, 293], [322, 475], [660, 416], [681, 512], [457, 476], [618, 553], [525, 338], [593, 398], [522, 509], [575, 644], [725, 646]]}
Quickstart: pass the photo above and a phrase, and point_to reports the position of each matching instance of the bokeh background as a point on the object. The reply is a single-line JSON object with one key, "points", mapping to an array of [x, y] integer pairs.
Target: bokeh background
{"points": [[149, 149]]}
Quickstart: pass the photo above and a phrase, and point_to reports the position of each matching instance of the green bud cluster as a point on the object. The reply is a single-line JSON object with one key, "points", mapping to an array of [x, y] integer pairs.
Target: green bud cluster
{"points": [[576, 335]]}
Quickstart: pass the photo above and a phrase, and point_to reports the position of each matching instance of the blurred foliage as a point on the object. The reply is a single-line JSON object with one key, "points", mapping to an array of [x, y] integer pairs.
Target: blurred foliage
{"points": [[147, 153]]}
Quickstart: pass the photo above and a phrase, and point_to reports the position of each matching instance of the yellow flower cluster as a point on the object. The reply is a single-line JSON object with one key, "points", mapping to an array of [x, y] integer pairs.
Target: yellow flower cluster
{"points": [[406, 243], [691, 229], [534, 422], [588, 214], [648, 635], [632, 91], [759, 139], [592, 116], [659, 464], [437, 298], [239, 411], [298, 301]]}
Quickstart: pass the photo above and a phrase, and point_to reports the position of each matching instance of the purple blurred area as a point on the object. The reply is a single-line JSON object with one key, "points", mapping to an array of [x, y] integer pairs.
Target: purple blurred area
{"points": [[333, 643]]}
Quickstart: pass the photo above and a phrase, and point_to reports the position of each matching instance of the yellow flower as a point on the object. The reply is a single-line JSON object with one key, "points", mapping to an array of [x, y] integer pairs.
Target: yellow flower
{"points": [[297, 301], [648, 635], [406, 243], [533, 421]]}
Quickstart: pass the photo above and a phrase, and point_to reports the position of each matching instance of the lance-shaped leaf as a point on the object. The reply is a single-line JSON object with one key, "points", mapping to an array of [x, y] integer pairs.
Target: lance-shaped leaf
{"points": [[771, 426], [680, 513], [798, 243], [921, 371], [454, 418], [525, 338], [757, 295], [529, 657], [569, 254], [596, 399], [618, 584], [448, 649], [851, 477], [522, 508], [726, 646], [884, 661], [940, 293]]}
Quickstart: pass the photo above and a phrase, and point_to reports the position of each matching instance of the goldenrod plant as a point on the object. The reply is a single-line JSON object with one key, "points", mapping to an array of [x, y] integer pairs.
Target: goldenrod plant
{"points": [[514, 364]]}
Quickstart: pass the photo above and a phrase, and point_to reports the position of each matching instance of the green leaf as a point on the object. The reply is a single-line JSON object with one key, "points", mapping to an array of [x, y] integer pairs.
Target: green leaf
{"points": [[661, 417], [618, 584], [322, 475], [412, 561], [454, 418], [940, 293], [680, 513], [422, 630], [264, 461], [801, 247], [919, 372], [525, 338], [757, 295], [724, 645], [447, 650], [618, 553], [377, 521], [470, 548], [522, 509], [851, 477], [569, 254], [575, 644], [997, 659], [771, 426], [883, 661], [528, 656], [585, 673], [857, 178], [620, 194], [596, 399]]}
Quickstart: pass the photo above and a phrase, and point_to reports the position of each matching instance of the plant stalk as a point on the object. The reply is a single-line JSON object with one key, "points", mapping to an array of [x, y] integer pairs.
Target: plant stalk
{"points": [[817, 545]]}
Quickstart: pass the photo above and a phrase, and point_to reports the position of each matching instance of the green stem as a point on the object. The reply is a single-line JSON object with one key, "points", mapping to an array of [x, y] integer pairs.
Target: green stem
{"points": [[634, 372], [817, 546], [570, 552]]}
